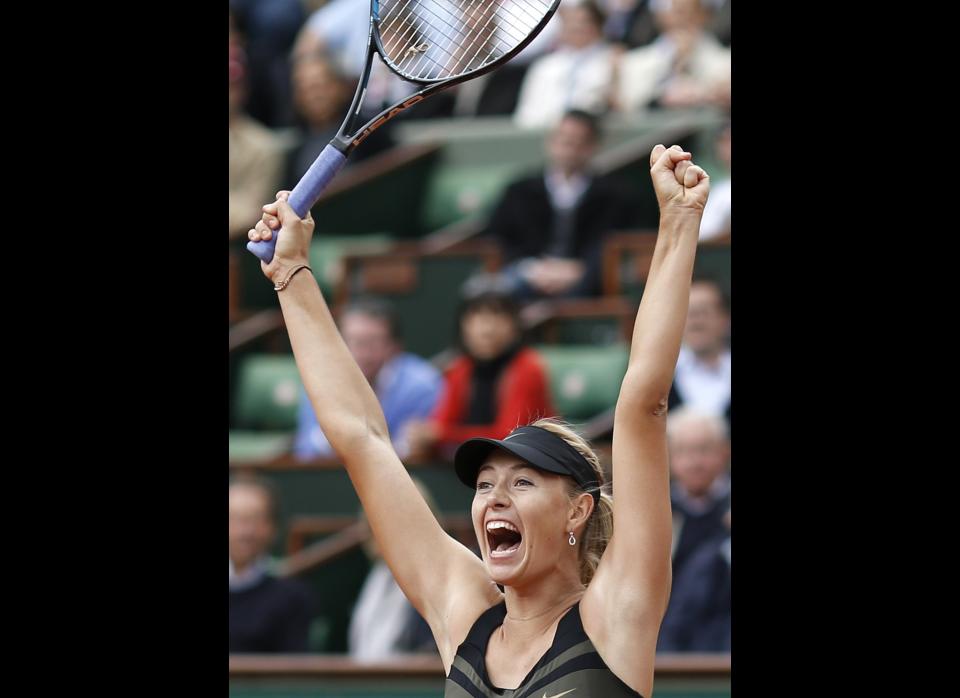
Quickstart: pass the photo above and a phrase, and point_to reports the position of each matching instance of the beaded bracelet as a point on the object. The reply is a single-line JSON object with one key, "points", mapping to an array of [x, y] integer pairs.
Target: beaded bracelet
{"points": [[283, 284]]}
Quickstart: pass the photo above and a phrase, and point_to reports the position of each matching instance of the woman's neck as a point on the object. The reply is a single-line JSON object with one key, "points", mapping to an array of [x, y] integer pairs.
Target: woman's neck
{"points": [[534, 608]]}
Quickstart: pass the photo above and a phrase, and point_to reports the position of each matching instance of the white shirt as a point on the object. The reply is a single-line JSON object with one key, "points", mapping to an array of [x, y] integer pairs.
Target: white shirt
{"points": [[251, 576], [644, 71], [380, 616], [563, 80], [565, 193], [717, 212], [702, 387]]}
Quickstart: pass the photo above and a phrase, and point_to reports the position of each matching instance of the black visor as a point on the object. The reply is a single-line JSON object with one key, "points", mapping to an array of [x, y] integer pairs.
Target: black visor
{"points": [[540, 448]]}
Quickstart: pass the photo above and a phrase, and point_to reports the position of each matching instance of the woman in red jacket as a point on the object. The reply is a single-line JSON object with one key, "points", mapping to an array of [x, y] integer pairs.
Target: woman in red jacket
{"points": [[496, 384]]}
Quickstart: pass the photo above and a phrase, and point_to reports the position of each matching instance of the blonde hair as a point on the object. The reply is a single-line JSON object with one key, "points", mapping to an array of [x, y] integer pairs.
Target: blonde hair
{"points": [[599, 528]]}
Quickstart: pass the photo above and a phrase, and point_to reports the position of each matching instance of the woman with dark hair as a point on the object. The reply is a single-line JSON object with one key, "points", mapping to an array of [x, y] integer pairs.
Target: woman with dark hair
{"points": [[495, 385], [580, 606]]}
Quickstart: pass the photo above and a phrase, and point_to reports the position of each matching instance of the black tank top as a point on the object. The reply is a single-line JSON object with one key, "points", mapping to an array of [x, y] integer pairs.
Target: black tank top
{"points": [[571, 664]]}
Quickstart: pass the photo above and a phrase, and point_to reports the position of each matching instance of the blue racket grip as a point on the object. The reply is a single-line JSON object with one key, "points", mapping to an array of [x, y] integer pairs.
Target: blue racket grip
{"points": [[304, 195]]}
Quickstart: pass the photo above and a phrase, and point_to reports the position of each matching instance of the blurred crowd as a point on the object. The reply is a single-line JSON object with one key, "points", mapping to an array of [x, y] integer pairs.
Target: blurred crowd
{"points": [[293, 73], [294, 66]]}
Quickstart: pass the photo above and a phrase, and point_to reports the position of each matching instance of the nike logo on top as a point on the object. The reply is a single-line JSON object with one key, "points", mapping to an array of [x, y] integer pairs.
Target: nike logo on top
{"points": [[559, 694]]}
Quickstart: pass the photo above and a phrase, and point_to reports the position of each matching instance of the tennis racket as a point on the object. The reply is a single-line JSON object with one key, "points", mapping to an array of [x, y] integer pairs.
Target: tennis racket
{"points": [[434, 43]]}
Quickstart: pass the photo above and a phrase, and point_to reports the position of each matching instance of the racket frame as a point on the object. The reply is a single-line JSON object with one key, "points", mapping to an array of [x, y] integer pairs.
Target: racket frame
{"points": [[348, 138]]}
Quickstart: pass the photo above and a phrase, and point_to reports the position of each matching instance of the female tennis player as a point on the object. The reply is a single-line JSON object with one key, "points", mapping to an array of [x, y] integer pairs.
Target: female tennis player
{"points": [[585, 581]]}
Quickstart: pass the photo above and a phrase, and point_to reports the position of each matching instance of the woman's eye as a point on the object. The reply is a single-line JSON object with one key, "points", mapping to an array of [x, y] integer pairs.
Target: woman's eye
{"points": [[522, 481], [483, 485]]}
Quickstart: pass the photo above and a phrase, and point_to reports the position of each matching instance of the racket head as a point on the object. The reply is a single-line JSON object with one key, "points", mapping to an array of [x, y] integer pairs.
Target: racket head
{"points": [[448, 41]]}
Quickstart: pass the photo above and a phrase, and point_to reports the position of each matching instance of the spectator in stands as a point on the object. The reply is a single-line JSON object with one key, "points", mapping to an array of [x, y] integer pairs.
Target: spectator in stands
{"points": [[717, 213], [551, 226], [698, 615], [631, 23], [267, 613], [384, 623], [497, 92], [321, 95], [406, 385], [702, 376], [685, 66], [496, 383], [700, 485], [340, 29], [256, 157], [577, 75], [620, 19], [270, 27]]}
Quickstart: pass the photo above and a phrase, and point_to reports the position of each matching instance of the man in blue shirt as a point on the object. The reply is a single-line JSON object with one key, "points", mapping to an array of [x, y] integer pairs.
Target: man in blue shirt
{"points": [[406, 385]]}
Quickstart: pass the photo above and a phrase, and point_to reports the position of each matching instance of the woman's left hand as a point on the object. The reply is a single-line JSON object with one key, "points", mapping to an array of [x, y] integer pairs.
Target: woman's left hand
{"points": [[679, 184]]}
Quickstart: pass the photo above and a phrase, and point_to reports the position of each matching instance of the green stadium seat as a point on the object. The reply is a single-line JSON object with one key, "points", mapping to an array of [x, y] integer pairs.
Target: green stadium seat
{"points": [[268, 392], [459, 191], [246, 446], [584, 380]]}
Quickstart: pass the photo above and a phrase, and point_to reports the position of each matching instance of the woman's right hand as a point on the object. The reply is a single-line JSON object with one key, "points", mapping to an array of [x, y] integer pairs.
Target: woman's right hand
{"points": [[293, 245]]}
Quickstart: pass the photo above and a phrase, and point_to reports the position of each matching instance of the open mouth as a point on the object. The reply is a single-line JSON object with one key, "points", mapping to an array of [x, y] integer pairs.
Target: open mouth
{"points": [[503, 538]]}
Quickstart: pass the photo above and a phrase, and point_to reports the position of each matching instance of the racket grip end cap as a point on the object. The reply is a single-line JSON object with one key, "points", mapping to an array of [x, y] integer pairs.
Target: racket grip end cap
{"points": [[263, 249]]}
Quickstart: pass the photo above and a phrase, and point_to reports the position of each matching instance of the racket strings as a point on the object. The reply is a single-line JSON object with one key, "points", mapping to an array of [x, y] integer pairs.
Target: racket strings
{"points": [[439, 39], [451, 45], [409, 42]]}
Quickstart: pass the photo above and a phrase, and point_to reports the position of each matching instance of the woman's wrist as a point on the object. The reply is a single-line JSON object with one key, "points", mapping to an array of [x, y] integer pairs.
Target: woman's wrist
{"points": [[281, 267], [283, 283], [681, 217], [679, 223]]}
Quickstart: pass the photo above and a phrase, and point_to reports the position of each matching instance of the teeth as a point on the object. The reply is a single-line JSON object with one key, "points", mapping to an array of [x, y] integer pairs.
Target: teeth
{"points": [[492, 525]]}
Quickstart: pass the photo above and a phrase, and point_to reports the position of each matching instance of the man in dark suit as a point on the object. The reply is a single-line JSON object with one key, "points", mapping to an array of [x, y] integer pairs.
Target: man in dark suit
{"points": [[267, 613], [551, 226], [698, 615], [700, 479]]}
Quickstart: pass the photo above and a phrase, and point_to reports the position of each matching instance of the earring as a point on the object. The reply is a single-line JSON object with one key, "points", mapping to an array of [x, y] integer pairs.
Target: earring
{"points": [[572, 540]]}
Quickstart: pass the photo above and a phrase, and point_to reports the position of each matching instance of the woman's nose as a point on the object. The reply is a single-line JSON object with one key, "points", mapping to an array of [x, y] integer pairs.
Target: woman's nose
{"points": [[497, 496]]}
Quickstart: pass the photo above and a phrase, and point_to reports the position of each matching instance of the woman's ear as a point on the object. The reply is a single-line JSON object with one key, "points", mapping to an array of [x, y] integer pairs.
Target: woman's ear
{"points": [[580, 511]]}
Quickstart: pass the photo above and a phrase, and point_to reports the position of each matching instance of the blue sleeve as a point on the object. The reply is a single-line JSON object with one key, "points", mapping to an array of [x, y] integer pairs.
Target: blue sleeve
{"points": [[413, 398], [304, 445]]}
